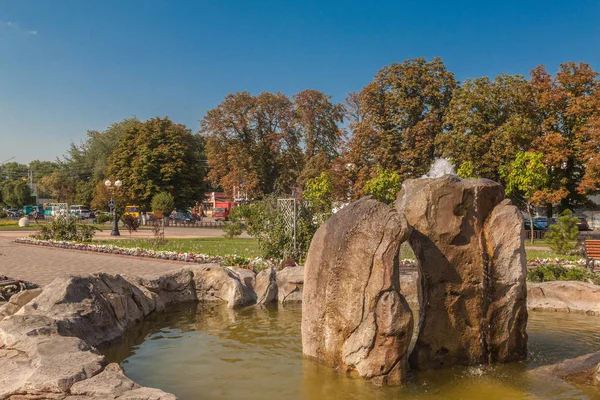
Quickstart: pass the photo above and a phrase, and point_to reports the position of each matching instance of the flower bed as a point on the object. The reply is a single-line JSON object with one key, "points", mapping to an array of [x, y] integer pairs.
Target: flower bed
{"points": [[255, 264]]}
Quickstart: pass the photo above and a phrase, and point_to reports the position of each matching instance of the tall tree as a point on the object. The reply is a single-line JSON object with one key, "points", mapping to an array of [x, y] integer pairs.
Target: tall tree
{"points": [[16, 193], [568, 106], [487, 123], [317, 120], [395, 119], [252, 141], [159, 155], [86, 164]]}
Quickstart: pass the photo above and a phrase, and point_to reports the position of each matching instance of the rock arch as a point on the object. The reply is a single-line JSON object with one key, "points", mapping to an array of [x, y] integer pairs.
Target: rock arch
{"points": [[468, 243]]}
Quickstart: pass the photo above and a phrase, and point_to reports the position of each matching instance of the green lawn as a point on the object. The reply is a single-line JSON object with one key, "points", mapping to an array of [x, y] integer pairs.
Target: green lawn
{"points": [[213, 246]]}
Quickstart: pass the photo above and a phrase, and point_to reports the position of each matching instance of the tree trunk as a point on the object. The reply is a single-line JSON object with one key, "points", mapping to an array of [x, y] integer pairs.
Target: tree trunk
{"points": [[530, 220]]}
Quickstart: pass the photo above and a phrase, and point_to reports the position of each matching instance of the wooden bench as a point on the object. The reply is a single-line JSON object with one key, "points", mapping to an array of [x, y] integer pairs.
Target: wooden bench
{"points": [[592, 253]]}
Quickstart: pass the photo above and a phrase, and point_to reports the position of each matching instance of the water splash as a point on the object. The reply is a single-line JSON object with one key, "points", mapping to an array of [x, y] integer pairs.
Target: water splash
{"points": [[439, 168]]}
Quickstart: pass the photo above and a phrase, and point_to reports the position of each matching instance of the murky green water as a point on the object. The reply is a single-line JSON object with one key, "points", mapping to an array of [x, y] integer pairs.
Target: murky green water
{"points": [[200, 352]]}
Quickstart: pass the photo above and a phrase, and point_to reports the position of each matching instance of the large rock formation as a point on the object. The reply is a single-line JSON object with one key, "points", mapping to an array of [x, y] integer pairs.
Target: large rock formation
{"points": [[472, 272], [353, 316]]}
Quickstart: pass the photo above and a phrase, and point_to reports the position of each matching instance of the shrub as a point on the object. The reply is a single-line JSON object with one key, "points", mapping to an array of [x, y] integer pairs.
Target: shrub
{"points": [[131, 223], [163, 202], [64, 228], [557, 272], [274, 238], [232, 229], [3, 214], [563, 233], [102, 218]]}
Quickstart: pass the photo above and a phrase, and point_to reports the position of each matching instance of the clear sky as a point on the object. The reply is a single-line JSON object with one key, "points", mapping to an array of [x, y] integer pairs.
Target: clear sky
{"points": [[67, 66]]}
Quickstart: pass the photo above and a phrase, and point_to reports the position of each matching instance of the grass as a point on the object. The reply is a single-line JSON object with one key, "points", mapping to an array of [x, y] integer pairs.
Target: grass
{"points": [[213, 246]]}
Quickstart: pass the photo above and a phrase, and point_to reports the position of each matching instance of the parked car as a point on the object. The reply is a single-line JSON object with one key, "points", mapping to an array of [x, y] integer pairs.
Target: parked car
{"points": [[181, 217], [134, 211], [82, 212], [583, 224], [539, 224], [14, 212]]}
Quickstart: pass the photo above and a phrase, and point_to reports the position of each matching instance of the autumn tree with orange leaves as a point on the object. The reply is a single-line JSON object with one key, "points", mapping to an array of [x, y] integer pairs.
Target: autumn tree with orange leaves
{"points": [[568, 109], [270, 143]]}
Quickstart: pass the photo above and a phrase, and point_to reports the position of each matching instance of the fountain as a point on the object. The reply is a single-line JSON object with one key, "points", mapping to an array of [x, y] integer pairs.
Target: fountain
{"points": [[471, 260]]}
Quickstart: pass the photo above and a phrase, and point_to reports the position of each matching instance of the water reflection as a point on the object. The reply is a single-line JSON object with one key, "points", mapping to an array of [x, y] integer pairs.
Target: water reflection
{"points": [[212, 352]]}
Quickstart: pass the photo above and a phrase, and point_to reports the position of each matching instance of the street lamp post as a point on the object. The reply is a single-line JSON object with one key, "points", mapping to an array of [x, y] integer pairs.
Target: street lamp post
{"points": [[112, 187]]}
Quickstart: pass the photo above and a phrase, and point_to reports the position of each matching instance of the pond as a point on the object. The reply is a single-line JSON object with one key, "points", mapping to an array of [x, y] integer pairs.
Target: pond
{"points": [[210, 352]]}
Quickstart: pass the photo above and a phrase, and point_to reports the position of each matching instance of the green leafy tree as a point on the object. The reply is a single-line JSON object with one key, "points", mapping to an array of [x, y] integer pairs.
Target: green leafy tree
{"points": [[467, 170], [159, 155], [385, 186], [163, 202], [487, 123], [395, 119], [319, 192], [16, 193], [527, 175], [561, 236]]}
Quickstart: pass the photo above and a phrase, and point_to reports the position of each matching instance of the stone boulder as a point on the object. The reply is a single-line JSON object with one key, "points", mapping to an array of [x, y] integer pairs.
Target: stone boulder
{"points": [[353, 316], [290, 282], [464, 271], [214, 283], [17, 301], [96, 308], [582, 370], [266, 286], [564, 296]]}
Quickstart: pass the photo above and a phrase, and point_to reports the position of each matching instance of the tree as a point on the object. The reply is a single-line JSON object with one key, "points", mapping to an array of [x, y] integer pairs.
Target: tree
{"points": [[527, 175], [319, 192], [317, 120], [159, 155], [251, 141], [86, 164], [466, 170], [395, 119], [487, 123], [58, 186], [563, 233], [568, 106], [269, 142], [385, 186], [163, 202], [16, 193]]}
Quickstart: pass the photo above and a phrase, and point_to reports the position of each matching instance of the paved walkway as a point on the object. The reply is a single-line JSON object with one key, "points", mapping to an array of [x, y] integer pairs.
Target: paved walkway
{"points": [[42, 264]]}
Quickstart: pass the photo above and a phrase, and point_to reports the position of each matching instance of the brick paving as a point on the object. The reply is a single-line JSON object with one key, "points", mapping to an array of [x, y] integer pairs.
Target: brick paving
{"points": [[41, 264]]}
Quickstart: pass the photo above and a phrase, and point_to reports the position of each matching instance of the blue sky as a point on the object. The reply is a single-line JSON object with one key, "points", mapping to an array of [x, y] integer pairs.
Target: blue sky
{"points": [[67, 66]]}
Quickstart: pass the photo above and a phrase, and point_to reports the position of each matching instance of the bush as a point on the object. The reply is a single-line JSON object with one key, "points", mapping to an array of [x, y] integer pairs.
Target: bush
{"points": [[131, 223], [163, 202], [3, 214], [563, 233], [557, 272], [102, 218], [64, 228], [232, 229], [267, 224]]}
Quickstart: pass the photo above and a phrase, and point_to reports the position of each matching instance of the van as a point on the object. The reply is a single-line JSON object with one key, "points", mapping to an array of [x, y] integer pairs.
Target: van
{"points": [[134, 211], [80, 211]]}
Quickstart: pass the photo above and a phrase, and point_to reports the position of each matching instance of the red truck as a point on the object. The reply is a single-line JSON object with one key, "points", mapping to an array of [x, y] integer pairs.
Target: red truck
{"points": [[221, 210]]}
